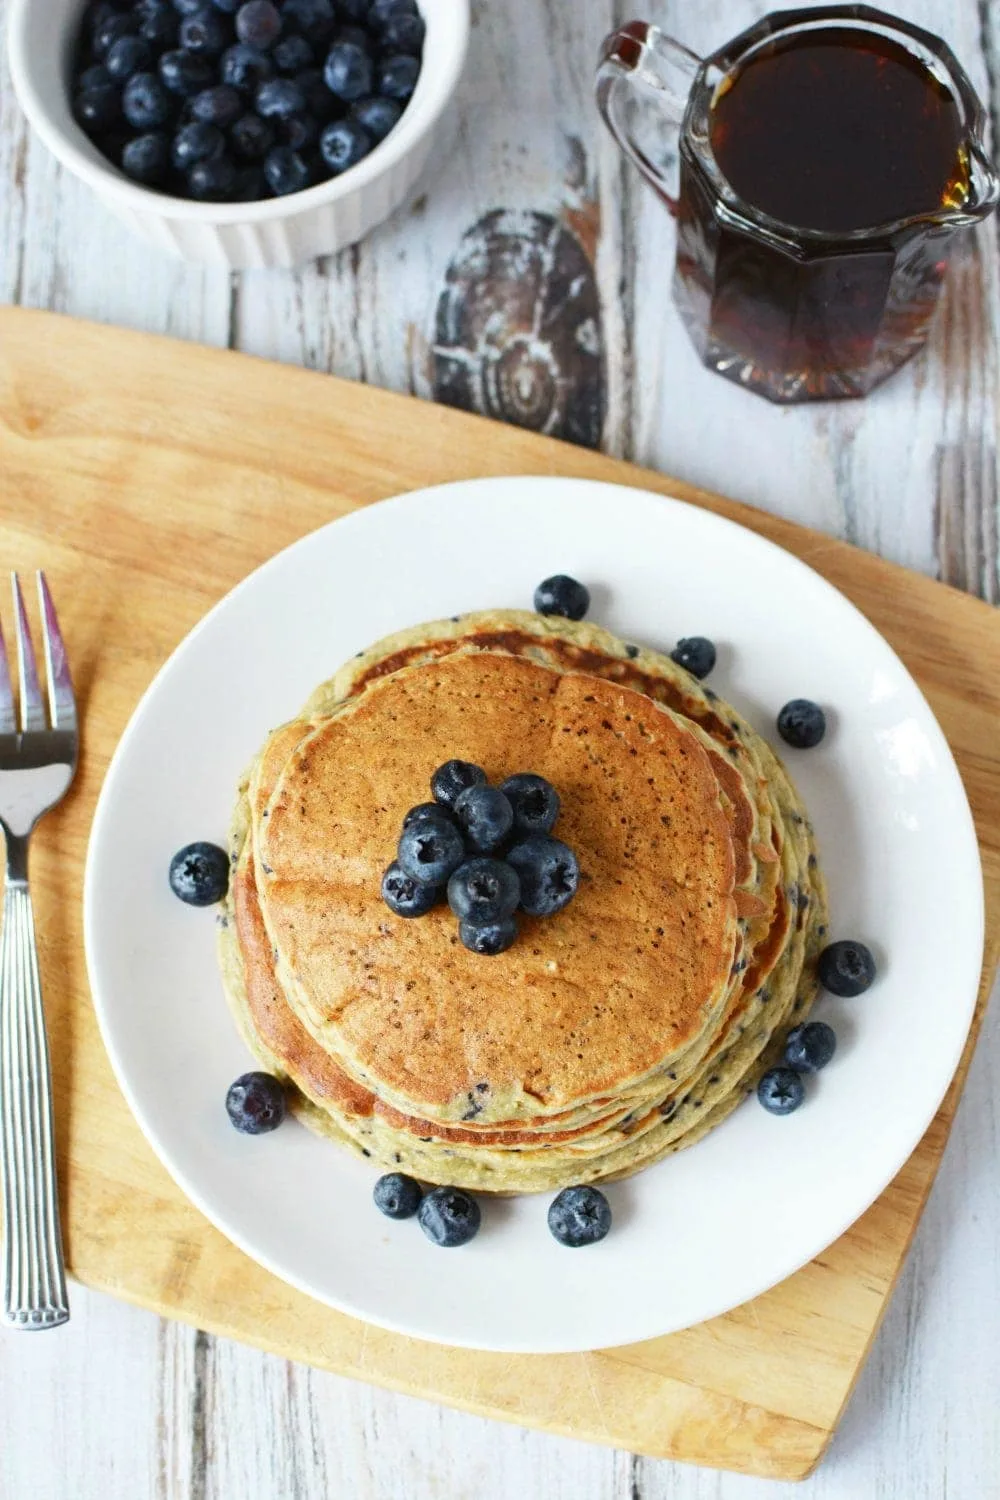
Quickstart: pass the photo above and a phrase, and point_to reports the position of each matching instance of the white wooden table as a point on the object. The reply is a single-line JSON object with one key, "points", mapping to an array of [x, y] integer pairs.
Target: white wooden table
{"points": [[121, 1406]]}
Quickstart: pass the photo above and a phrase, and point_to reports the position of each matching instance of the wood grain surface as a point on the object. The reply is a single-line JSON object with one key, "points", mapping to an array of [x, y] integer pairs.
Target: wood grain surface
{"points": [[122, 1404], [148, 477]]}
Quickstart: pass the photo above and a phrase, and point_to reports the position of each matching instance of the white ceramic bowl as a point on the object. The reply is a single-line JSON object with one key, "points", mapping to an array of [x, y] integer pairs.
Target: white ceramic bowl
{"points": [[277, 231]]}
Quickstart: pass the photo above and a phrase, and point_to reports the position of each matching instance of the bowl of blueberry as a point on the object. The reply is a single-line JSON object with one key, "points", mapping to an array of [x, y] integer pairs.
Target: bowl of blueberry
{"points": [[242, 133]]}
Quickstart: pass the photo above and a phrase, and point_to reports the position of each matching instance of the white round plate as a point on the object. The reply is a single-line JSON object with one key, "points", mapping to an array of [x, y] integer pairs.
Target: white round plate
{"points": [[706, 1229]]}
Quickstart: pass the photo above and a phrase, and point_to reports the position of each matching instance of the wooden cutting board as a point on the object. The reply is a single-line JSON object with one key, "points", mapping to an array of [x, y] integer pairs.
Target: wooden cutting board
{"points": [[147, 477]]}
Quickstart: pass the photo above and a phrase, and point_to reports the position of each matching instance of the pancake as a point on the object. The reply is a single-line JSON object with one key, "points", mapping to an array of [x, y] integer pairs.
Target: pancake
{"points": [[778, 932]]}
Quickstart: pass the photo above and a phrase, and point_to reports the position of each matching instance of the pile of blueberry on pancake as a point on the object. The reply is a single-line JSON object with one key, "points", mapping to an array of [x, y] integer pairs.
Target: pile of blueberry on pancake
{"points": [[241, 100]]}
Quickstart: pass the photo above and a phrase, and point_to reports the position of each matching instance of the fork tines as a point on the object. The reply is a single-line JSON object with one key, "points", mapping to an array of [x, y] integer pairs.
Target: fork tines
{"points": [[62, 705]]}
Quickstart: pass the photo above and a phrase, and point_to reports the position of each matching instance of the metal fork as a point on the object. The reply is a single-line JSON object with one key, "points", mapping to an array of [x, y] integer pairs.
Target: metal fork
{"points": [[37, 762]]}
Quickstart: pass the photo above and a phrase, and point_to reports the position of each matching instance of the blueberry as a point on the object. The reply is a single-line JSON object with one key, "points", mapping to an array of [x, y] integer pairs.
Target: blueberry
{"points": [[448, 1216], [354, 10], [450, 780], [251, 137], [157, 23], [206, 33], [397, 1196], [846, 968], [376, 116], [484, 813], [256, 1103], [534, 800], [146, 158], [199, 874], [356, 34], [379, 11], [96, 77], [343, 144], [579, 1216], [99, 108], [245, 68], [549, 874], [483, 890], [396, 79], [314, 18], [292, 54], [696, 654], [427, 811], [810, 1047], [111, 31], [319, 101], [146, 103], [406, 896], [403, 33], [220, 105], [212, 181], [299, 131], [230, 7], [185, 73], [188, 7], [95, 15], [250, 185], [258, 24], [429, 852], [562, 595], [781, 1090], [130, 54], [196, 142], [279, 99], [347, 72], [490, 938], [802, 724], [285, 170]]}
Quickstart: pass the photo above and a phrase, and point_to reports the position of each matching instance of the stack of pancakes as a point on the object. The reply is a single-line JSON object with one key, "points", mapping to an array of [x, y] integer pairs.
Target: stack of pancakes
{"points": [[607, 1036]]}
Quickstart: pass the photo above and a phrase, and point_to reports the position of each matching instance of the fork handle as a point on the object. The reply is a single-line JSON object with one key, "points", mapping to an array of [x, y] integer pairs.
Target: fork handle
{"points": [[34, 1276]]}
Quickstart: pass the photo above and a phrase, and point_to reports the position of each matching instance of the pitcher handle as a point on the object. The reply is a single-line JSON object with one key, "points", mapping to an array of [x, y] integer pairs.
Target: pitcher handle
{"points": [[640, 61]]}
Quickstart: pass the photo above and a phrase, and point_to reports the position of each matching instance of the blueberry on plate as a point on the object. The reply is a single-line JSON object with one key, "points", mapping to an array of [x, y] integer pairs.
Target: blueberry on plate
{"points": [[94, 77], [146, 158], [279, 99], [428, 812], [696, 654], [258, 24], [188, 7], [548, 871], [810, 1047], [448, 1216], [185, 73], [212, 181], [579, 1216], [482, 890], [802, 724], [298, 131], [450, 780], [286, 171], [146, 104], [781, 1091], [206, 33], [157, 23], [199, 874], [403, 33], [314, 18], [251, 138], [397, 1196], [489, 938], [486, 817], [396, 76], [196, 142], [343, 144], [405, 896], [376, 116], [535, 802], [292, 54], [229, 7], [846, 968], [562, 595], [110, 31], [429, 852], [130, 54], [245, 68], [220, 105], [347, 71], [99, 108], [256, 1103]]}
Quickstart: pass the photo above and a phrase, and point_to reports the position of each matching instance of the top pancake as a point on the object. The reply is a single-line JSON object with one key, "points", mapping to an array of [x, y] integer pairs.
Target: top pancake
{"points": [[585, 1004]]}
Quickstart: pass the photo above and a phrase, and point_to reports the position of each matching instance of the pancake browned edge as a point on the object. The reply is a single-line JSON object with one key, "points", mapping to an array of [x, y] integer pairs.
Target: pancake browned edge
{"points": [[609, 1136]]}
